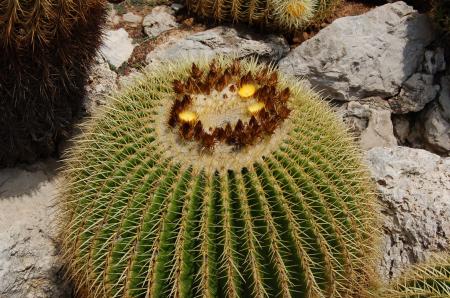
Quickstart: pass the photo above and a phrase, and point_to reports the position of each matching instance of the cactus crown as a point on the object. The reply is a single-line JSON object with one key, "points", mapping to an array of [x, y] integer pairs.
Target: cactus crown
{"points": [[160, 205], [222, 111], [285, 14]]}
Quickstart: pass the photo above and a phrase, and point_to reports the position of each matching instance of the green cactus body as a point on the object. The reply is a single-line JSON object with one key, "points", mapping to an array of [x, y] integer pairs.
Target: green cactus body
{"points": [[272, 201], [283, 14], [429, 280], [46, 48]]}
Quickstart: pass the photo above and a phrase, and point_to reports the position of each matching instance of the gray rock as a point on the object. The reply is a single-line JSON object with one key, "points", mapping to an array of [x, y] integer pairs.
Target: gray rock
{"points": [[402, 128], [117, 47], [434, 61], [133, 19], [116, 20], [222, 40], [30, 265], [414, 193], [126, 81], [436, 129], [370, 121], [362, 56], [113, 18], [416, 92], [177, 6], [101, 84], [160, 20], [444, 97]]}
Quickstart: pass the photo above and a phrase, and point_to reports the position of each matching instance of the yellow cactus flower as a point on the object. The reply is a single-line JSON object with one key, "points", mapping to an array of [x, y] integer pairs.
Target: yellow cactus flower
{"points": [[247, 90], [188, 117], [256, 108]]}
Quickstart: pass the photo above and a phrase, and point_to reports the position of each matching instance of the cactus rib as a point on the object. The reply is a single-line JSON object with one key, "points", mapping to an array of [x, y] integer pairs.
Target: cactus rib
{"points": [[177, 189]]}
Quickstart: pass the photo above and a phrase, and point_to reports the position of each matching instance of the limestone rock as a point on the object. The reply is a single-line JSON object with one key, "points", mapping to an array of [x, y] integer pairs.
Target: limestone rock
{"points": [[414, 193], [133, 19], [177, 6], [101, 84], [402, 128], [222, 40], [160, 20], [370, 120], [436, 129], [363, 56], [444, 97], [416, 92], [30, 265], [113, 18], [434, 61], [117, 47], [126, 81]]}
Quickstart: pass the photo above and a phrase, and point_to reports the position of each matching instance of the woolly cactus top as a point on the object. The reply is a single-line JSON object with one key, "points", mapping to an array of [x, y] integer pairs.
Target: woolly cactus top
{"points": [[218, 178], [219, 118]]}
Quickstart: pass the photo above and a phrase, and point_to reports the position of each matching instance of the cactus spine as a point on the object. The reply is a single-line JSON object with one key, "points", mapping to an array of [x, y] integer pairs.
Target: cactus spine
{"points": [[269, 202], [284, 14], [46, 48], [429, 280]]}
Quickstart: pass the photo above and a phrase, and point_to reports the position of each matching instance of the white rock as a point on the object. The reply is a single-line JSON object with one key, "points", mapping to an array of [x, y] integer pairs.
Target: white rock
{"points": [[111, 13], [434, 61], [362, 56], [125, 81], [132, 18], [379, 132], [370, 120], [30, 265], [444, 97], [416, 92], [160, 20], [414, 193], [117, 47], [176, 6], [221, 40], [402, 128], [436, 129], [101, 84], [116, 20]]}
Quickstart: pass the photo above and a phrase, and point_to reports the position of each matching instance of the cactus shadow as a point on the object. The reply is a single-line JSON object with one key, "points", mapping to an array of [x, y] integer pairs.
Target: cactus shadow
{"points": [[25, 179]]}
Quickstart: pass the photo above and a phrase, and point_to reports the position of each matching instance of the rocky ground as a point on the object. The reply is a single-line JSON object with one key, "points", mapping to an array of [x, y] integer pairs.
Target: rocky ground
{"points": [[382, 69]]}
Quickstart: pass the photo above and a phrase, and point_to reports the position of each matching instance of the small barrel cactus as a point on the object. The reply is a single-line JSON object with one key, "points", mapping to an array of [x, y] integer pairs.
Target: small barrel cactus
{"points": [[429, 280], [46, 49], [217, 178], [282, 14]]}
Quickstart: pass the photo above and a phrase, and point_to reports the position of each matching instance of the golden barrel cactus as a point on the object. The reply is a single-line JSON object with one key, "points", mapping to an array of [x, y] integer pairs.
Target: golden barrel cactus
{"points": [[217, 178], [286, 15], [428, 280], [46, 49]]}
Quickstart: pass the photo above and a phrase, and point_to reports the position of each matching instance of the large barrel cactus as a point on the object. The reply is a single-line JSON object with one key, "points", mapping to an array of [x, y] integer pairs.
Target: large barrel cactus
{"points": [[281, 14], [218, 178], [429, 280], [46, 48]]}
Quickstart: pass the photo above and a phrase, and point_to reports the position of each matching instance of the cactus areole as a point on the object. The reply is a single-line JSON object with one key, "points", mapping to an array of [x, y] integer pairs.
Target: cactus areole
{"points": [[218, 178]]}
